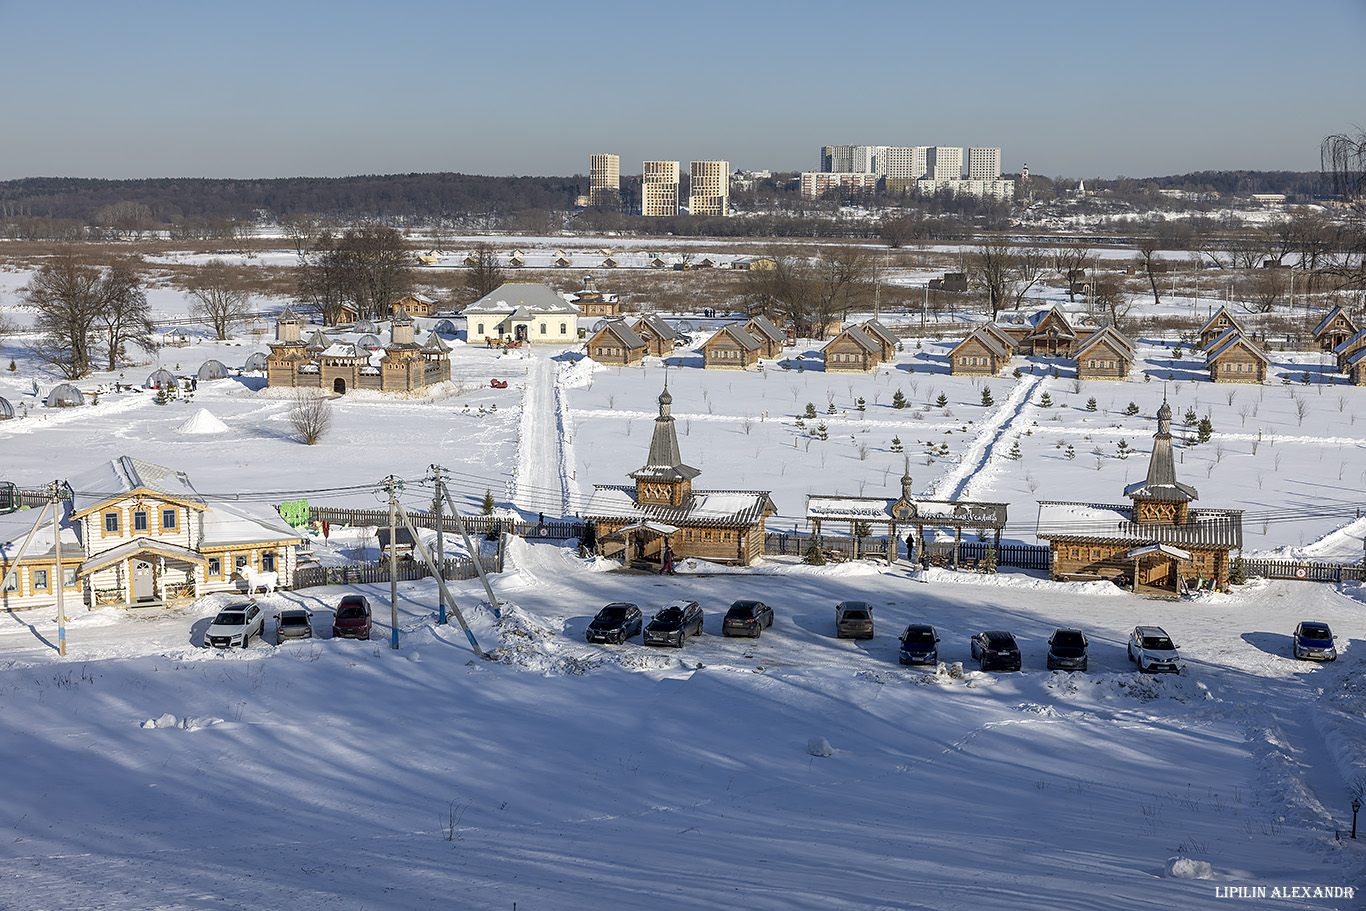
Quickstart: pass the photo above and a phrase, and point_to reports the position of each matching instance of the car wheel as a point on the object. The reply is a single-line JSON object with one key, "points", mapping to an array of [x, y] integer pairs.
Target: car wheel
{"points": [[1083, 667], [246, 639], [1131, 653]]}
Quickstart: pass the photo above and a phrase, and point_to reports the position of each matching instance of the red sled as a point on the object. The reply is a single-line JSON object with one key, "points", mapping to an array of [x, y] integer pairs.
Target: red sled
{"points": [[498, 384]]}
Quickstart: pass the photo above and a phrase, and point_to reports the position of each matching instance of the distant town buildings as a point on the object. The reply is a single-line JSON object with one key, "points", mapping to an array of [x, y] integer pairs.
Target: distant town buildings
{"points": [[709, 188], [604, 180], [926, 170], [659, 189]]}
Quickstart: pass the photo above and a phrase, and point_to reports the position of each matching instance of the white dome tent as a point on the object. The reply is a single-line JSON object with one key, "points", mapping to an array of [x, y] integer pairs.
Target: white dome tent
{"points": [[211, 370], [64, 396], [6, 409], [162, 378], [256, 362]]}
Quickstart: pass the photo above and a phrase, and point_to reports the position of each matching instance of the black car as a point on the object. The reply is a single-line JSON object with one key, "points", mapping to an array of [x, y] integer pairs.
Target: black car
{"points": [[995, 650], [292, 625], [616, 622], [674, 623], [919, 644], [747, 618], [1067, 650]]}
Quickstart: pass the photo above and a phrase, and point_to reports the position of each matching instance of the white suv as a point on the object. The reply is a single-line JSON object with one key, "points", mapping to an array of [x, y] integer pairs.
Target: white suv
{"points": [[235, 625], [1153, 650]]}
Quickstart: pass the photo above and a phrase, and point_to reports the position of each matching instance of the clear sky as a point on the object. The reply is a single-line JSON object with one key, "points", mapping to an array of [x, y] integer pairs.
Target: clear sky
{"points": [[1091, 88]]}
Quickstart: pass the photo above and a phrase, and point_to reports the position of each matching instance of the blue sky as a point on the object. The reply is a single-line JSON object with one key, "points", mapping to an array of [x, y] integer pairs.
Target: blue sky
{"points": [[146, 88]]}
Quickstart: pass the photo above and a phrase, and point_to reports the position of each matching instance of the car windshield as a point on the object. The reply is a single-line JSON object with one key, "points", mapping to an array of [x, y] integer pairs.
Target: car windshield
{"points": [[856, 615], [612, 614], [1068, 640], [918, 636], [230, 618], [741, 612], [672, 615], [293, 620], [1316, 633], [350, 612], [1159, 643]]}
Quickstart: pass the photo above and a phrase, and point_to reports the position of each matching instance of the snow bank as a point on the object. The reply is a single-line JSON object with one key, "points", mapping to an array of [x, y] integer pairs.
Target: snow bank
{"points": [[202, 423], [1185, 868], [185, 724], [819, 746]]}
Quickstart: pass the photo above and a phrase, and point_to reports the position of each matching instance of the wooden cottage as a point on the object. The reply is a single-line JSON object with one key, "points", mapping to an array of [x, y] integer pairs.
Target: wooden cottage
{"points": [[1234, 358], [769, 336], [1214, 327], [1045, 333], [1157, 542], [882, 336], [983, 353], [662, 509], [1334, 329], [616, 343], [731, 348], [660, 338], [1106, 355], [1355, 368], [415, 305], [852, 351], [1345, 349], [592, 302]]}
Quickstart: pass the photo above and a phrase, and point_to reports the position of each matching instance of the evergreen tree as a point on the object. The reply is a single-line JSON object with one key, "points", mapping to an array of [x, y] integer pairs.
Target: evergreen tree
{"points": [[1132, 409], [1091, 404], [942, 401], [1237, 573], [1123, 447], [831, 409], [1016, 373], [821, 432], [987, 400], [1046, 401], [810, 410], [896, 444], [813, 555], [163, 395], [1070, 453], [860, 404], [898, 400], [1205, 430], [1015, 454]]}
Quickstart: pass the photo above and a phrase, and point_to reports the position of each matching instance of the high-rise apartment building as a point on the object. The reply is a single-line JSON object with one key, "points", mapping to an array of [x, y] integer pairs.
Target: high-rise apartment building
{"points": [[709, 188], [850, 159], [904, 162], [604, 180], [659, 189], [945, 162], [984, 164], [818, 184]]}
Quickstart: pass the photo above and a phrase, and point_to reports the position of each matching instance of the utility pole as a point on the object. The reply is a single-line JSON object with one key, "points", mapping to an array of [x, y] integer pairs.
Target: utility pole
{"points": [[57, 541], [440, 529], [393, 564]]}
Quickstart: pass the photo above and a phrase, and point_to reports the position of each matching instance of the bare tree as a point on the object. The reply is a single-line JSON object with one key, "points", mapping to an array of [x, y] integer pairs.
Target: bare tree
{"points": [[1003, 272], [1071, 260], [1264, 289], [123, 315], [368, 267], [65, 295], [484, 275], [220, 299], [1343, 158], [811, 292], [302, 229], [1148, 262], [1110, 294], [310, 415]]}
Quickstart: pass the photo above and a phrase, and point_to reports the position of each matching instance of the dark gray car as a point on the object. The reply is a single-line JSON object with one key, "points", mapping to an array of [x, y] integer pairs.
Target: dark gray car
{"points": [[854, 620], [1067, 650]]}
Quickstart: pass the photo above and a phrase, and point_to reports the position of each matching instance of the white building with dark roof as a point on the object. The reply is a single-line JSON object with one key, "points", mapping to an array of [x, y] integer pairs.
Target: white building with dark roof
{"points": [[523, 312]]}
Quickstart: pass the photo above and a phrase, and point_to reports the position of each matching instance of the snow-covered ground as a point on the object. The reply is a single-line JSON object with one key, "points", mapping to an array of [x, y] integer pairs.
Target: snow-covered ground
{"points": [[146, 772]]}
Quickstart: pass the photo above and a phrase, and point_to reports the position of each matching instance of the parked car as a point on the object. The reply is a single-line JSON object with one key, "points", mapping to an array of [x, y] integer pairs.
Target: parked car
{"points": [[674, 623], [616, 622], [352, 618], [292, 625], [853, 620], [1067, 650], [919, 644], [1153, 650], [995, 650], [747, 618], [235, 625], [1314, 640]]}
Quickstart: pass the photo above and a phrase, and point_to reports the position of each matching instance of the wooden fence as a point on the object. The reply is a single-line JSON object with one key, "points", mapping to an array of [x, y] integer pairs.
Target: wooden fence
{"points": [[557, 529], [792, 544], [1305, 572], [454, 570]]}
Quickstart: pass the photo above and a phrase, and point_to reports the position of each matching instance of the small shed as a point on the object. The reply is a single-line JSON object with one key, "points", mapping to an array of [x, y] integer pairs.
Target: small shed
{"points": [[64, 396], [256, 362], [211, 370], [162, 378]]}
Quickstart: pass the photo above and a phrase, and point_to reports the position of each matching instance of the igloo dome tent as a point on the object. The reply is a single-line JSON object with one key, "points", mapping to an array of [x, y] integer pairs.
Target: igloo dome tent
{"points": [[211, 370], [369, 342], [162, 378], [64, 396], [366, 326], [6, 409], [256, 362], [444, 327]]}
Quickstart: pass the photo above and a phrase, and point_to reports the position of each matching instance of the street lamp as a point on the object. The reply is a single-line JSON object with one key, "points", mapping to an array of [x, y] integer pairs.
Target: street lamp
{"points": [[1356, 805]]}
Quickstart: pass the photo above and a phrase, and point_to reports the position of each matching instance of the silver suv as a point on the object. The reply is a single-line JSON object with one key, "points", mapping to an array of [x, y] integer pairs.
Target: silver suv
{"points": [[854, 620], [1153, 650]]}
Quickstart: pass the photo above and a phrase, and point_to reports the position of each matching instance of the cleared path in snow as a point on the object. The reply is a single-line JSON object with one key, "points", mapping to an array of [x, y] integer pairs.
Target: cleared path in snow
{"points": [[978, 455], [542, 484]]}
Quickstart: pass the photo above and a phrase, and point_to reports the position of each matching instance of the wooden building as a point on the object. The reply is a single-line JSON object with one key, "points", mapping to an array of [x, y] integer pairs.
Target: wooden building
{"points": [[755, 264], [616, 343], [1049, 332], [731, 348], [592, 302], [401, 366], [524, 312], [1157, 542], [1334, 329], [769, 336], [852, 351], [1214, 327], [1349, 346], [886, 342], [415, 305], [660, 338], [1355, 368], [983, 353], [663, 509], [1106, 355], [136, 534], [1234, 358]]}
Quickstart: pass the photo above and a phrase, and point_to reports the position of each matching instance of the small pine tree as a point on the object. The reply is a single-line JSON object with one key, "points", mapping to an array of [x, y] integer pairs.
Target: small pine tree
{"points": [[861, 404], [1123, 447], [1132, 409], [12, 367], [491, 534], [786, 365], [813, 555], [810, 410], [163, 396], [1015, 454], [1237, 573], [989, 561], [1016, 373], [831, 409], [1205, 430], [801, 424], [801, 366], [1046, 401], [1091, 404], [896, 444], [821, 432], [1070, 453], [1055, 373], [899, 400], [910, 368], [1191, 417], [942, 401], [987, 400], [1304, 378]]}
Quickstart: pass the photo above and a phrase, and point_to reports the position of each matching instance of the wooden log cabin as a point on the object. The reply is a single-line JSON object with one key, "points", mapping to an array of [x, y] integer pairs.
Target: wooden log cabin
{"points": [[1334, 329], [663, 510], [731, 348], [852, 351], [1106, 355], [616, 343], [1234, 358], [983, 353], [1156, 543], [1214, 327]]}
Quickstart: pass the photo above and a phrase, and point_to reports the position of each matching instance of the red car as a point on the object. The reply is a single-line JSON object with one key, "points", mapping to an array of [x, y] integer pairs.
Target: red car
{"points": [[352, 618]]}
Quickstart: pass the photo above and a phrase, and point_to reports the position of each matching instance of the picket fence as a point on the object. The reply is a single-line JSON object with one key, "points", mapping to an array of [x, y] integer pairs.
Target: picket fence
{"points": [[796, 544], [455, 569]]}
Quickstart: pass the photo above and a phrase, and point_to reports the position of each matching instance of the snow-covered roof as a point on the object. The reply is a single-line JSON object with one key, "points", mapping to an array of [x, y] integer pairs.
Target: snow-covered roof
{"points": [[729, 508], [525, 298], [119, 477], [1222, 311], [858, 337], [15, 527], [1110, 334], [1230, 339], [955, 513], [623, 333], [243, 523], [345, 350], [1112, 522]]}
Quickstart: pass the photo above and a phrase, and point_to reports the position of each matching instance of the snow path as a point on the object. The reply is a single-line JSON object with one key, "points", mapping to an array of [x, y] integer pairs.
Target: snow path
{"points": [[542, 483], [977, 455]]}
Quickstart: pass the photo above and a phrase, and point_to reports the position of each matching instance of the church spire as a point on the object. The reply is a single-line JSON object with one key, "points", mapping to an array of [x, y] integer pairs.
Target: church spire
{"points": [[664, 462], [1161, 483]]}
